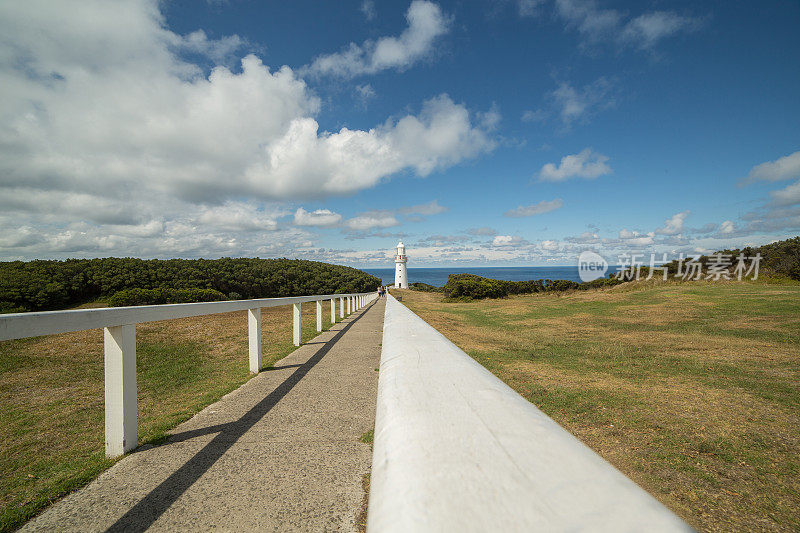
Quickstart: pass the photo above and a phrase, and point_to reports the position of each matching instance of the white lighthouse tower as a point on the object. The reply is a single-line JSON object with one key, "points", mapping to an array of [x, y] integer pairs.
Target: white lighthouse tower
{"points": [[400, 273]]}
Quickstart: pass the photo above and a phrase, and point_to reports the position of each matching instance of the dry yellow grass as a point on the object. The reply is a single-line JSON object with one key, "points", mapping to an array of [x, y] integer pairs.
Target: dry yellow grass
{"points": [[51, 395], [692, 390]]}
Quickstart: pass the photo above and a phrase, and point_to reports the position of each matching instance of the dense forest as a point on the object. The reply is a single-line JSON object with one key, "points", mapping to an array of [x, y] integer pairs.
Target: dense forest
{"points": [[43, 285]]}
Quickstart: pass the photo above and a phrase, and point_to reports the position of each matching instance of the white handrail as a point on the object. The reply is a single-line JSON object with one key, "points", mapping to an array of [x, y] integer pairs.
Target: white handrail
{"points": [[119, 330], [22, 325], [458, 450]]}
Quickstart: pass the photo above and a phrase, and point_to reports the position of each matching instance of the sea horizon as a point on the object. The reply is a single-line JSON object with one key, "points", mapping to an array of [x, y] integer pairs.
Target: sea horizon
{"points": [[437, 276]]}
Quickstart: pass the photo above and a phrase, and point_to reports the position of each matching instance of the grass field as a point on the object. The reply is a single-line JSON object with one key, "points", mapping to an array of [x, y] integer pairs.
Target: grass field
{"points": [[51, 395], [692, 390]]}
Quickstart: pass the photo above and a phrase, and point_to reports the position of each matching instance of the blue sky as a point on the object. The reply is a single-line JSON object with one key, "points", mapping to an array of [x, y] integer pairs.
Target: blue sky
{"points": [[481, 133]]}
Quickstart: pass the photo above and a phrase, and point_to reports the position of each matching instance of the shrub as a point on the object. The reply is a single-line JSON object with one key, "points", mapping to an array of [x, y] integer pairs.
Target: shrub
{"points": [[424, 287], [465, 287], [472, 286]]}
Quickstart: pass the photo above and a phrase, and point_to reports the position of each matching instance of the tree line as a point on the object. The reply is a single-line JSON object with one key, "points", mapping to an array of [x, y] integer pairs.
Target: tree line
{"points": [[50, 284]]}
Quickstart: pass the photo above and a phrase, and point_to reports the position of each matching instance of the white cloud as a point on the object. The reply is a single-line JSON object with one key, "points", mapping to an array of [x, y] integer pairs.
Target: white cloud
{"points": [[105, 121], [305, 163], [726, 227], [318, 217], [365, 92], [587, 18], [386, 218], [644, 31], [551, 246], [536, 209], [222, 233], [236, 216], [426, 23], [790, 195], [585, 164], [154, 228], [587, 237], [674, 224], [372, 220], [218, 50], [508, 240], [530, 115], [489, 120], [634, 238], [109, 134], [430, 208], [783, 168], [775, 219], [68, 205], [782, 212], [577, 105], [642, 240], [368, 9]]}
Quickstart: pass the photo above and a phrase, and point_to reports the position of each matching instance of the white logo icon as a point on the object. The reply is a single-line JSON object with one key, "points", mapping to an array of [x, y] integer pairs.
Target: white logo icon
{"points": [[591, 266]]}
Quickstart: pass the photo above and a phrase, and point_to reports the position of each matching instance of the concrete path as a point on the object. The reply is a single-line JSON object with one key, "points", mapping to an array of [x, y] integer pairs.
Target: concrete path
{"points": [[280, 453]]}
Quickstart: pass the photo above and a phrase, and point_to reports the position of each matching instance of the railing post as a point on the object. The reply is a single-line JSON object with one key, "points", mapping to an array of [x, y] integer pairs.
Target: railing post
{"points": [[341, 307], [333, 311], [349, 304], [120, 383], [254, 338], [296, 324], [319, 315]]}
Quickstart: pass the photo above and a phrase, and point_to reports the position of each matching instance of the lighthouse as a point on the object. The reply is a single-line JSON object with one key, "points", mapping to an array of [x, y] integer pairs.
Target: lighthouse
{"points": [[400, 274]]}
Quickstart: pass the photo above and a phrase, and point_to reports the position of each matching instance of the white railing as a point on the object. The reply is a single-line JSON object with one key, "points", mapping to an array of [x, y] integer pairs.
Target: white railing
{"points": [[458, 450], [119, 325]]}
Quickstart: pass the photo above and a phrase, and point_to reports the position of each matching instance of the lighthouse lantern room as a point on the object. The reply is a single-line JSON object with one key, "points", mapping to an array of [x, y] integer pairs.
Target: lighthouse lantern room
{"points": [[400, 273]]}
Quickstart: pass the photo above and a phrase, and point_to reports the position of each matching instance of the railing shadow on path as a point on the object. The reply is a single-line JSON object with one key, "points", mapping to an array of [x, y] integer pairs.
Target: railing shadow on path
{"points": [[142, 515], [284, 367]]}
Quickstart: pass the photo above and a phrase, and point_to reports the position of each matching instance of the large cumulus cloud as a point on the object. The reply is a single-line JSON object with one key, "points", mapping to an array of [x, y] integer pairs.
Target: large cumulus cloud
{"points": [[109, 117]]}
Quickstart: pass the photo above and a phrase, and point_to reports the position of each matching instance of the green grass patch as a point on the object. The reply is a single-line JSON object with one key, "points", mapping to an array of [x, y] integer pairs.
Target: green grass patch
{"points": [[691, 389], [368, 437]]}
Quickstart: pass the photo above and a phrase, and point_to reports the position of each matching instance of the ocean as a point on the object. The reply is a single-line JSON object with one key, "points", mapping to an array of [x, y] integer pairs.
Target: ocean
{"points": [[438, 276]]}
